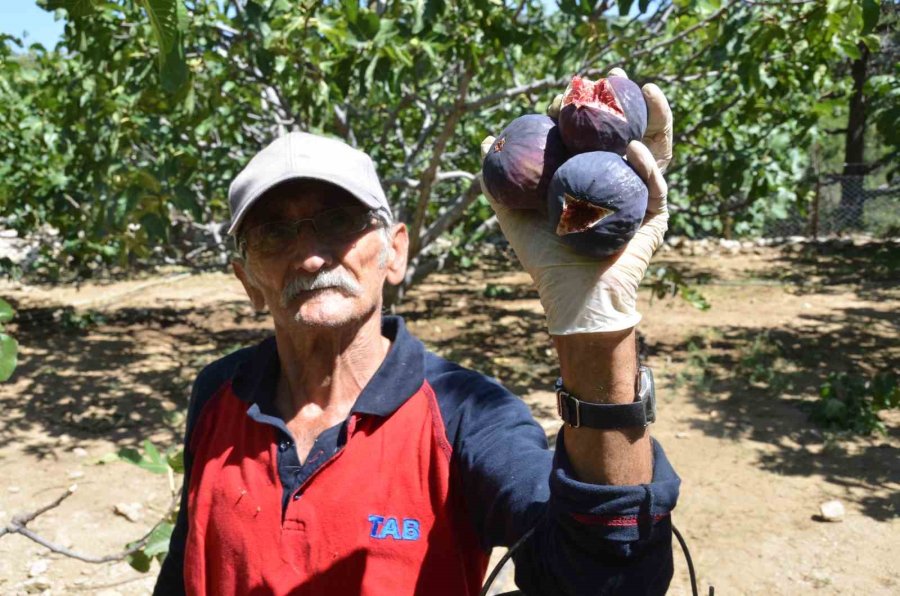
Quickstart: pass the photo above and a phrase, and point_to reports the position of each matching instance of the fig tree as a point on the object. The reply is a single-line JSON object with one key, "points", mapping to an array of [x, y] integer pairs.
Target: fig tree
{"points": [[519, 165], [596, 203], [602, 116]]}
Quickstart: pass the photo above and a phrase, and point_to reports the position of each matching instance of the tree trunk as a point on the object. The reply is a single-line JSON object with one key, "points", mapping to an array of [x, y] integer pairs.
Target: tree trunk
{"points": [[852, 196]]}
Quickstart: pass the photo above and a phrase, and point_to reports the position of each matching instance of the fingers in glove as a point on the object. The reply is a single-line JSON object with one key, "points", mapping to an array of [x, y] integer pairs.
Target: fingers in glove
{"points": [[486, 145], [555, 106], [658, 137], [640, 158], [636, 257]]}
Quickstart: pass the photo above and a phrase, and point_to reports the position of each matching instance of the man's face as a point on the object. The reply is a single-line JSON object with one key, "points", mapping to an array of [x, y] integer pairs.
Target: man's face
{"points": [[309, 279]]}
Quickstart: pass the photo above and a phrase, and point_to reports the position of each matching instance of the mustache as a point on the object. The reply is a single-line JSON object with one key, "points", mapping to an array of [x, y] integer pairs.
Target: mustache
{"points": [[338, 279]]}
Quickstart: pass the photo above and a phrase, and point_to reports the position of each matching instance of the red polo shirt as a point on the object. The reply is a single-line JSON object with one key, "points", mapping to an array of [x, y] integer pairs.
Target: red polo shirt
{"points": [[434, 466]]}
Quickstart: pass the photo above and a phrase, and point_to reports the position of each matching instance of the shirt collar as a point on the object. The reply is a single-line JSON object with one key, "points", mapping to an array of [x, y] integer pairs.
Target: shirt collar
{"points": [[400, 375]]}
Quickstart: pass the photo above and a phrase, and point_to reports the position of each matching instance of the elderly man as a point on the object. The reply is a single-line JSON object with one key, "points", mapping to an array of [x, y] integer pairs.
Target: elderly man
{"points": [[341, 457]]}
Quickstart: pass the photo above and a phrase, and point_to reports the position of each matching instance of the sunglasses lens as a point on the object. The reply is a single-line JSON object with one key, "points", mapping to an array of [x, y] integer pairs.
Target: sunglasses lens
{"points": [[338, 223], [330, 226], [271, 237]]}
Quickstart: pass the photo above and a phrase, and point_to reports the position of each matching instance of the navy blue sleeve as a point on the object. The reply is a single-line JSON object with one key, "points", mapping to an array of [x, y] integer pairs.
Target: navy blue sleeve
{"points": [[171, 576], [588, 538]]}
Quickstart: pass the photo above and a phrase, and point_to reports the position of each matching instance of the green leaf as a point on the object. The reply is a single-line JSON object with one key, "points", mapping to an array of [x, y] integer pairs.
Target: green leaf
{"points": [[168, 20], [6, 311], [695, 298], [849, 49], [624, 7], [871, 10], [173, 71], [152, 452], [872, 41], [151, 460], [155, 226], [75, 8], [176, 461], [131, 455], [9, 350], [366, 25], [164, 21], [155, 467], [158, 541], [834, 409], [434, 9], [139, 561]]}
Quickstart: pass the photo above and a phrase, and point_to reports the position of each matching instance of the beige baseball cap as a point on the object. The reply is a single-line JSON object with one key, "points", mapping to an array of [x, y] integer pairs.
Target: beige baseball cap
{"points": [[300, 155]]}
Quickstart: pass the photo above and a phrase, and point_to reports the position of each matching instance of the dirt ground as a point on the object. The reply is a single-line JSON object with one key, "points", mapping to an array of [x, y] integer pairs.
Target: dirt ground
{"points": [[106, 365]]}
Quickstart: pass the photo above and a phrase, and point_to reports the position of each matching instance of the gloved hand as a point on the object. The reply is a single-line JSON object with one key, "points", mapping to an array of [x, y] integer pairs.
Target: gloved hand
{"points": [[581, 294]]}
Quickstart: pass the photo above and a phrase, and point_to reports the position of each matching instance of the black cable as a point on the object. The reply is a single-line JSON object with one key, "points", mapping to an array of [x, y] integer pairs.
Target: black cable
{"points": [[684, 548], [504, 559], [690, 563]]}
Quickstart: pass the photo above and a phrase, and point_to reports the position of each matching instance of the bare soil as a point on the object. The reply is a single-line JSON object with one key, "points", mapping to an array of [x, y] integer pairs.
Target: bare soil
{"points": [[107, 365]]}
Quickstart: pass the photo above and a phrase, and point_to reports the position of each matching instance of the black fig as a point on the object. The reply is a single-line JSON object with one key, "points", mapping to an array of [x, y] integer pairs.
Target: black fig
{"points": [[519, 165], [596, 203]]}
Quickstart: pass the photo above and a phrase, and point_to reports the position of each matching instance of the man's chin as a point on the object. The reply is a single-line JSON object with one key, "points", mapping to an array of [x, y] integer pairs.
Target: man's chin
{"points": [[333, 313], [319, 322]]}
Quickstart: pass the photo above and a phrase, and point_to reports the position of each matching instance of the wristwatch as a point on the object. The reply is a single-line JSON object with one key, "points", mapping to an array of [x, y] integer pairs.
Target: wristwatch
{"points": [[639, 413]]}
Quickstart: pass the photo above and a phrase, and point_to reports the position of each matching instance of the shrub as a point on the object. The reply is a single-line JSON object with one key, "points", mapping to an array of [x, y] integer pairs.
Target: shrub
{"points": [[852, 402]]}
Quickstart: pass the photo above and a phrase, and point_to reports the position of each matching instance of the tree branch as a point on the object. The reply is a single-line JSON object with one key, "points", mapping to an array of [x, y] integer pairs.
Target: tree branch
{"points": [[546, 83], [428, 177], [441, 176], [452, 213], [343, 122], [736, 97], [17, 525], [684, 33], [21, 520]]}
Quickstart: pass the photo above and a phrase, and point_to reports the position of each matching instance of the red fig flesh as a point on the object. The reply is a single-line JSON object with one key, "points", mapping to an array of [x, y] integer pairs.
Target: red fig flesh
{"points": [[604, 115]]}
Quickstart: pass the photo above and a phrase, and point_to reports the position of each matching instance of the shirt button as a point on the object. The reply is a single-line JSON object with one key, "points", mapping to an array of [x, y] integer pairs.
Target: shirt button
{"points": [[284, 445], [297, 496]]}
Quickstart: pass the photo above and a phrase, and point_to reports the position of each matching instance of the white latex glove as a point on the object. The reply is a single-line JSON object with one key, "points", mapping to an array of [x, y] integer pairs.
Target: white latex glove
{"points": [[582, 294]]}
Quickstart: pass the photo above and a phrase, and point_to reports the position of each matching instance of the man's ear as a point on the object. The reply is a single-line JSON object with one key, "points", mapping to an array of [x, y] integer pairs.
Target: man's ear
{"points": [[398, 254], [254, 293]]}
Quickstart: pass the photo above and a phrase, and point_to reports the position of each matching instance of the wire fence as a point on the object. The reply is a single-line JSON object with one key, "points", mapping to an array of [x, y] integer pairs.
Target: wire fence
{"points": [[842, 205]]}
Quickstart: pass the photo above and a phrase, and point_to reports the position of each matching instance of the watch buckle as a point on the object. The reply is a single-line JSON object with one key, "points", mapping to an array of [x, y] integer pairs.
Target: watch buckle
{"points": [[562, 395]]}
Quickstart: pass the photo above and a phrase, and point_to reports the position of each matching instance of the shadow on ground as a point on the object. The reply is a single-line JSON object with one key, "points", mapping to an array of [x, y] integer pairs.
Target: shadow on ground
{"points": [[121, 376], [816, 267], [760, 384], [489, 327], [824, 267]]}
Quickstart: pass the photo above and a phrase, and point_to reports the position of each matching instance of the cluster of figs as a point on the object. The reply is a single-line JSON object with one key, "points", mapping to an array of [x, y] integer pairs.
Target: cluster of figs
{"points": [[572, 168]]}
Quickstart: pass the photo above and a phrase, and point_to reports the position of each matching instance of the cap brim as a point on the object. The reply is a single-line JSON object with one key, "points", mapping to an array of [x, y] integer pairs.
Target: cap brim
{"points": [[363, 197]]}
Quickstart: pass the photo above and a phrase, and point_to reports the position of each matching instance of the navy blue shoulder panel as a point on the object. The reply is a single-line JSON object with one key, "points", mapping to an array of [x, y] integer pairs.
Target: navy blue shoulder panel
{"points": [[462, 392], [211, 379], [500, 450]]}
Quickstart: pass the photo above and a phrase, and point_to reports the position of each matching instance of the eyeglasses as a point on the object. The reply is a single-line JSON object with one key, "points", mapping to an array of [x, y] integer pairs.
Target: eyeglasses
{"points": [[332, 226]]}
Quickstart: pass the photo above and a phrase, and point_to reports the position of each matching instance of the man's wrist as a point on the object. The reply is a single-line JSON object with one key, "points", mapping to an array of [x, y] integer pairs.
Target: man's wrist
{"points": [[599, 367], [609, 416]]}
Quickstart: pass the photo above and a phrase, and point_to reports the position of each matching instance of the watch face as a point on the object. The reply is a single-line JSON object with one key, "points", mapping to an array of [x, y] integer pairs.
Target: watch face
{"points": [[647, 393]]}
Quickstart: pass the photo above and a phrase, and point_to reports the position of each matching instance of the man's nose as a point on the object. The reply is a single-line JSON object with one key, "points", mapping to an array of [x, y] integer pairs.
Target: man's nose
{"points": [[308, 252]]}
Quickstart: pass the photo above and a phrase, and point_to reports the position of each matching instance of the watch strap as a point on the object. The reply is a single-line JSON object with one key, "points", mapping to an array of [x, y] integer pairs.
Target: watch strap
{"points": [[639, 413]]}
